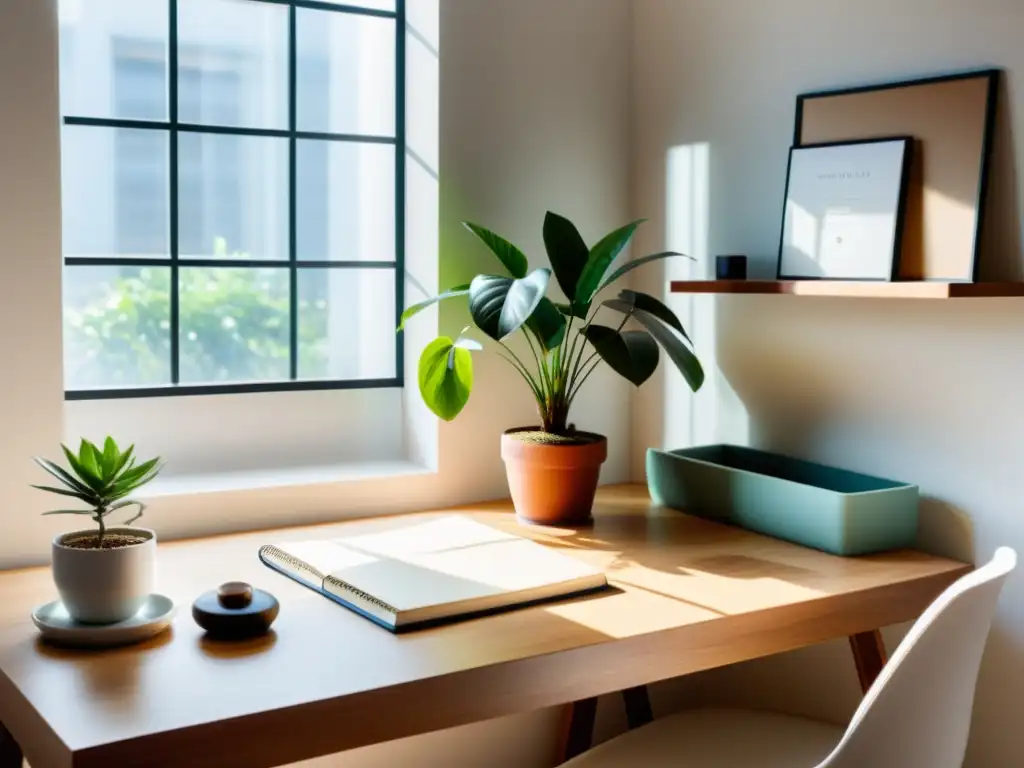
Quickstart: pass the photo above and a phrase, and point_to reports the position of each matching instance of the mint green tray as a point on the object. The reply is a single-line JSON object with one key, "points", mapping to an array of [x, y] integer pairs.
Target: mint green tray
{"points": [[841, 512]]}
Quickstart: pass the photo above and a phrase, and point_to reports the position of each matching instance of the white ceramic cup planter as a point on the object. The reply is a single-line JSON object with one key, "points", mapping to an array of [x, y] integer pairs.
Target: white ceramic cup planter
{"points": [[104, 586]]}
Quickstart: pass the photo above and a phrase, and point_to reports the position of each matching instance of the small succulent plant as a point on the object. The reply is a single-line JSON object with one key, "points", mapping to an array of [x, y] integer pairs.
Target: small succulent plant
{"points": [[102, 479]]}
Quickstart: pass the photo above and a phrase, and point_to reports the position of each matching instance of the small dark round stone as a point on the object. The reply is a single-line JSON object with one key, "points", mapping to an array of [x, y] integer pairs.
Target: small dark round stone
{"points": [[255, 613]]}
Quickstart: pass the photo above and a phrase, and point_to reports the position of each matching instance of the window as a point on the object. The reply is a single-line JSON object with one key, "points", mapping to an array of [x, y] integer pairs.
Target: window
{"points": [[233, 195]]}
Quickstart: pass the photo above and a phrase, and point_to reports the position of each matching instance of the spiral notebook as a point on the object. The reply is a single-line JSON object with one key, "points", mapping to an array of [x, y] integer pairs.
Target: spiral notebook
{"points": [[432, 571]]}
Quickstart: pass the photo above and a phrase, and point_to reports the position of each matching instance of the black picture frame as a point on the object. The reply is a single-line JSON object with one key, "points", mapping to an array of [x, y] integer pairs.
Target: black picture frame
{"points": [[901, 206], [993, 76]]}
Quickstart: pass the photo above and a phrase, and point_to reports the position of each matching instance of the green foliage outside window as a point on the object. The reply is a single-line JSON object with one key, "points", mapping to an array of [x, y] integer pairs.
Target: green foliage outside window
{"points": [[234, 327]]}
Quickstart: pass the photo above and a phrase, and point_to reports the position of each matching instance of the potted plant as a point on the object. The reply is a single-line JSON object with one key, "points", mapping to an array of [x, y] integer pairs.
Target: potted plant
{"points": [[104, 574], [553, 468]]}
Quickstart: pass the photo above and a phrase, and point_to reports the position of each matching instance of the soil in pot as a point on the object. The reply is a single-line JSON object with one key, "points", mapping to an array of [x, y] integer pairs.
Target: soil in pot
{"points": [[110, 541], [539, 437], [553, 478]]}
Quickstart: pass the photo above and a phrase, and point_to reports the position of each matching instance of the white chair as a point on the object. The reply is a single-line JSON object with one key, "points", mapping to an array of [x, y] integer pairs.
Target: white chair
{"points": [[916, 715]]}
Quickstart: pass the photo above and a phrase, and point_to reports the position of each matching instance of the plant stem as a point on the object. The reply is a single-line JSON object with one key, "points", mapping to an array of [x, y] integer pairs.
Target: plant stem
{"points": [[582, 381], [563, 348], [574, 357], [574, 383], [516, 358], [523, 371], [538, 359], [100, 514], [549, 406], [581, 334], [588, 361], [583, 347]]}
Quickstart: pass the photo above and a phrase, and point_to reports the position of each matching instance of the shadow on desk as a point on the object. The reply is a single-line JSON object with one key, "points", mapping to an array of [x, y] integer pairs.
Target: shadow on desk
{"points": [[237, 649], [107, 680]]}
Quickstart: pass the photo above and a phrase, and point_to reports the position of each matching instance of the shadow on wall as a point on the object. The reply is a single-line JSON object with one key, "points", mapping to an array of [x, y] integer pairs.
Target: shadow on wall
{"points": [[1001, 679], [1001, 257], [670, 414], [945, 530]]}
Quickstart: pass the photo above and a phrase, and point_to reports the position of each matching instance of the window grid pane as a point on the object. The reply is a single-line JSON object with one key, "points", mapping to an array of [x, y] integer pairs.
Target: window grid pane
{"points": [[249, 246]]}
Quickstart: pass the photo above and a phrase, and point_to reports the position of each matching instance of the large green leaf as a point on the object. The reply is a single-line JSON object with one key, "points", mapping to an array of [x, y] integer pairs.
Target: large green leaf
{"points": [[630, 300], [415, 309], [89, 455], [567, 252], [511, 257], [87, 498], [631, 354], [500, 305], [124, 459], [139, 471], [118, 495], [122, 489], [90, 478], [548, 323], [630, 266], [445, 377], [678, 352], [136, 477], [61, 474], [601, 257], [108, 459]]}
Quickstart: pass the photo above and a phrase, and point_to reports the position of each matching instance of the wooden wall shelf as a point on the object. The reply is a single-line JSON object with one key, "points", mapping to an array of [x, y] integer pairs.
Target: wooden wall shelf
{"points": [[853, 289]]}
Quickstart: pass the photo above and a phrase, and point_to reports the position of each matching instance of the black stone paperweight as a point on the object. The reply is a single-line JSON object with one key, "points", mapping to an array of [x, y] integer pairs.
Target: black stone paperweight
{"points": [[235, 611]]}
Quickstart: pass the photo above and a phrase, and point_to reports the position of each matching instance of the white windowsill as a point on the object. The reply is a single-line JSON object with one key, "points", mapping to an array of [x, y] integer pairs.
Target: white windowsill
{"points": [[255, 480]]}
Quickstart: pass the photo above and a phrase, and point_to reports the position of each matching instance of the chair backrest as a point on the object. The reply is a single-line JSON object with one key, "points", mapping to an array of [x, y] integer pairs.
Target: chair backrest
{"points": [[918, 712]]}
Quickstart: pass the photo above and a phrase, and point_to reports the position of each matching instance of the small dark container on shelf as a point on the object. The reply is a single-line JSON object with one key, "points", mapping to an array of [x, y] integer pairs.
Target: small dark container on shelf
{"points": [[730, 267], [235, 611]]}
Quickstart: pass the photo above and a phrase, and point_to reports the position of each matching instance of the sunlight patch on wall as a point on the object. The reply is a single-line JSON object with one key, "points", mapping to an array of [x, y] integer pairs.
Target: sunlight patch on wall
{"points": [[422, 255], [714, 414], [956, 216], [804, 226]]}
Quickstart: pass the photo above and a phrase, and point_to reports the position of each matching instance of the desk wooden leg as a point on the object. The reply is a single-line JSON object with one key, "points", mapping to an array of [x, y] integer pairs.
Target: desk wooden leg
{"points": [[638, 706], [10, 752], [577, 730], [869, 656]]}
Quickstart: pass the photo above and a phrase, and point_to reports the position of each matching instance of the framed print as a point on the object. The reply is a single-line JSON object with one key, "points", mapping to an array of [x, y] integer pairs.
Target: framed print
{"points": [[952, 120], [844, 210]]}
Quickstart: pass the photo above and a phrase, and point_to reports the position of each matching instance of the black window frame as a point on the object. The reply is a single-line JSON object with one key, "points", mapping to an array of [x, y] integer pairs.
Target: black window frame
{"points": [[173, 127]]}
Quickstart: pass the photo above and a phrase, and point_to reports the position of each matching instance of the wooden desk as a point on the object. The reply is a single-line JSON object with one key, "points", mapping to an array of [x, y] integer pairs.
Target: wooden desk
{"points": [[690, 595]]}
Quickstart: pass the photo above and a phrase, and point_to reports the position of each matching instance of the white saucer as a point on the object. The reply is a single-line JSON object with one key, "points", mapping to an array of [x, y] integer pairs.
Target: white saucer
{"points": [[57, 626]]}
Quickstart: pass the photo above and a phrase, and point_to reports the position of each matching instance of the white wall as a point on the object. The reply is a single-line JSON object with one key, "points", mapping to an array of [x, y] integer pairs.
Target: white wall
{"points": [[31, 385], [924, 392]]}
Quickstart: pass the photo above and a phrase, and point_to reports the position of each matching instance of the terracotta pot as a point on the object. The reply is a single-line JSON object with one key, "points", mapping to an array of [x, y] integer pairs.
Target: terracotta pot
{"points": [[552, 484]]}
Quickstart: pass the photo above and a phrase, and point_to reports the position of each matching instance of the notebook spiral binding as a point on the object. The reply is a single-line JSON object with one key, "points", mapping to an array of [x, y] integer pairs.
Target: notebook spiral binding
{"points": [[270, 552], [346, 587]]}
